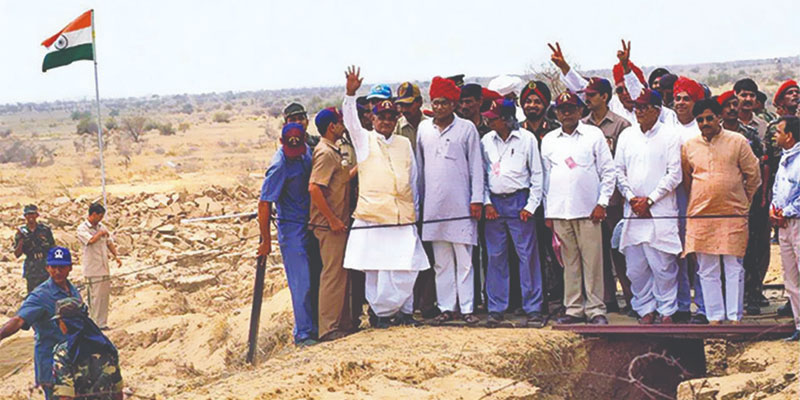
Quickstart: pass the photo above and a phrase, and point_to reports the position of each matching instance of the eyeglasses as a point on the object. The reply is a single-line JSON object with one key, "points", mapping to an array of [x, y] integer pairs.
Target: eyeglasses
{"points": [[619, 90], [567, 109], [707, 118], [387, 117]]}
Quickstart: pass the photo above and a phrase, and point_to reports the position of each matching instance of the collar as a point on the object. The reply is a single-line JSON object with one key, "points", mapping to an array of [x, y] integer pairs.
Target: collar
{"points": [[589, 120], [511, 135], [790, 153], [577, 130], [52, 286]]}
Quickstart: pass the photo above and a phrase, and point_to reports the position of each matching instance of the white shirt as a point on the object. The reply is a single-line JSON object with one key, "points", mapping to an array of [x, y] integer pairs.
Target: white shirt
{"points": [[686, 132], [95, 255], [512, 165], [400, 247], [649, 165], [578, 172]]}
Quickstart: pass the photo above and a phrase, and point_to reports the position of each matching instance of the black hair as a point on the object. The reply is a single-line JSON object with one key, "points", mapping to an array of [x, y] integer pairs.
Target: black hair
{"points": [[792, 126], [657, 73], [706, 104], [96, 208]]}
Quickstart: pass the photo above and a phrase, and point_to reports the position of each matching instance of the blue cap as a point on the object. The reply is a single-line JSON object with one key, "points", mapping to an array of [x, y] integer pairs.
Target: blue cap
{"points": [[326, 117], [59, 257], [383, 92]]}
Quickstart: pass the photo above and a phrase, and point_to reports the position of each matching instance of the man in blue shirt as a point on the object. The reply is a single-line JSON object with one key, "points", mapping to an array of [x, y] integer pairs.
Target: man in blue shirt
{"points": [[37, 311], [286, 185], [785, 210]]}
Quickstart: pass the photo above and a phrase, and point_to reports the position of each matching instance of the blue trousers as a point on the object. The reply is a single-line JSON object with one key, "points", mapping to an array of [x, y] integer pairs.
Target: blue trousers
{"points": [[684, 286], [301, 262], [523, 235]]}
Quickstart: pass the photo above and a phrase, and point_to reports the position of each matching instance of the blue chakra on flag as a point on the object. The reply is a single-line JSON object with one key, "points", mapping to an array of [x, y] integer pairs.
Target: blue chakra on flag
{"points": [[61, 43]]}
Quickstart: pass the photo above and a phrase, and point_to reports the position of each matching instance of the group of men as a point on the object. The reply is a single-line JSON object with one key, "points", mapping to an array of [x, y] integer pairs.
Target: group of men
{"points": [[72, 356], [486, 201]]}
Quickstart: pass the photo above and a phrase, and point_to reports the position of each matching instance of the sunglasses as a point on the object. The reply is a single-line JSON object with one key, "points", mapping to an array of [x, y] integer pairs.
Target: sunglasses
{"points": [[708, 118], [620, 90]]}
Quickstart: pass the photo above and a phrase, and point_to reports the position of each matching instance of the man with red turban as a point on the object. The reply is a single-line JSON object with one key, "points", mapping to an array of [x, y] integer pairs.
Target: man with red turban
{"points": [[786, 98], [451, 179]]}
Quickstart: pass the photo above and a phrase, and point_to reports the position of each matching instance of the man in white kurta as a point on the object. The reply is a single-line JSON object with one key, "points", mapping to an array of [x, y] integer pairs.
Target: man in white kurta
{"points": [[648, 163], [390, 256], [451, 174]]}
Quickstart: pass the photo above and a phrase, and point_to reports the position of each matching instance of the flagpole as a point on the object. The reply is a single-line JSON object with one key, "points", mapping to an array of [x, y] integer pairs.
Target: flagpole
{"points": [[99, 124]]}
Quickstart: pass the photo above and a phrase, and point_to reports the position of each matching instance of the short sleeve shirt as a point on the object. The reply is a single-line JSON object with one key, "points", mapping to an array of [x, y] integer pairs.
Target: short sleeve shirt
{"points": [[611, 125], [286, 185], [37, 311], [330, 171], [98, 373]]}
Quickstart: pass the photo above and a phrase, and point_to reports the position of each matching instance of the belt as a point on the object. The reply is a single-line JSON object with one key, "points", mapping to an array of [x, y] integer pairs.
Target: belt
{"points": [[507, 195]]}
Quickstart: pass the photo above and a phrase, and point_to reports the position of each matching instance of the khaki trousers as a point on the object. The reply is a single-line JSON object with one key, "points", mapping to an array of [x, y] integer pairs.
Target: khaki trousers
{"points": [[582, 252], [98, 293], [335, 308]]}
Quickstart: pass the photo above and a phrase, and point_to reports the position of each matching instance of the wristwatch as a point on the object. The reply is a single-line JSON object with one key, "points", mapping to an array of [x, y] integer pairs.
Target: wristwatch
{"points": [[650, 201]]}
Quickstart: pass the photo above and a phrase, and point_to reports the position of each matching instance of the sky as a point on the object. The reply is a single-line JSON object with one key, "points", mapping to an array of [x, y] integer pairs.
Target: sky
{"points": [[164, 47]]}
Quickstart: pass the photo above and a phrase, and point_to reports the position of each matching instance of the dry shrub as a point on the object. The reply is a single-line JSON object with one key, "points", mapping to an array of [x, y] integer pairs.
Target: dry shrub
{"points": [[25, 154]]}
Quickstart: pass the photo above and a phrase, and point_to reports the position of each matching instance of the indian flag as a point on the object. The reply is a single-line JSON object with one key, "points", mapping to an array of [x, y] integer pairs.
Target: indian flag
{"points": [[74, 42]]}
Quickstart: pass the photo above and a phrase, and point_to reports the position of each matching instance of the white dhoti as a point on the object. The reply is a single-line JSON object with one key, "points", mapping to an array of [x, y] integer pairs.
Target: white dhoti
{"points": [[710, 272], [391, 258], [390, 292], [653, 274], [454, 283]]}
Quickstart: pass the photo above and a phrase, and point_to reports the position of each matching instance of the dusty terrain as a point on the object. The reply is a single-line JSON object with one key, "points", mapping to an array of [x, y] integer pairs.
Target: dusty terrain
{"points": [[181, 302]]}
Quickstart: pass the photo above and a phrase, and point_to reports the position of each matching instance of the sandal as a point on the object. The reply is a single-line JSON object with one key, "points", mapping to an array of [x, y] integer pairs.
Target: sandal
{"points": [[470, 319], [445, 316]]}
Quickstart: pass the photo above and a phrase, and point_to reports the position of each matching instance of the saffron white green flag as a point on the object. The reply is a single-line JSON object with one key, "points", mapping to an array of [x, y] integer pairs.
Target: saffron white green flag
{"points": [[74, 42]]}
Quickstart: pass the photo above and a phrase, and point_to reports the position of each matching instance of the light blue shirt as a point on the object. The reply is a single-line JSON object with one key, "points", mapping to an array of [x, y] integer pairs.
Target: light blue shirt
{"points": [[786, 190], [37, 311]]}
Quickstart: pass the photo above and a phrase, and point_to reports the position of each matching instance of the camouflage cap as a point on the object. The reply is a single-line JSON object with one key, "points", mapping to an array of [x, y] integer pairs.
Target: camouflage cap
{"points": [[30, 209], [293, 108], [70, 307]]}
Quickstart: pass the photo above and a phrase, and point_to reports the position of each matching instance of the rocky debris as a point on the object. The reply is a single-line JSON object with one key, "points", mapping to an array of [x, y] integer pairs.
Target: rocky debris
{"points": [[147, 226]]}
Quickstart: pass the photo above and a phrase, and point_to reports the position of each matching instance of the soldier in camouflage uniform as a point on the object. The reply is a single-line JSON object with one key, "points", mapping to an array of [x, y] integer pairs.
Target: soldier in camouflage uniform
{"points": [[34, 240], [86, 365], [757, 255]]}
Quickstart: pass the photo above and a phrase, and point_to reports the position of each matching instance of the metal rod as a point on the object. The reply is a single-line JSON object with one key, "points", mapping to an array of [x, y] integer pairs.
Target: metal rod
{"points": [[255, 314], [217, 217], [99, 123]]}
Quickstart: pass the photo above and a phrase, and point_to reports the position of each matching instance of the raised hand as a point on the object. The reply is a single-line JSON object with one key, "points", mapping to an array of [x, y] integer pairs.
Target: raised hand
{"points": [[558, 58], [624, 56], [354, 79]]}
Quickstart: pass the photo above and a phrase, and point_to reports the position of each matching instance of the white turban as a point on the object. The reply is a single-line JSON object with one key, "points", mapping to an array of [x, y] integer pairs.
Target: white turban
{"points": [[505, 84]]}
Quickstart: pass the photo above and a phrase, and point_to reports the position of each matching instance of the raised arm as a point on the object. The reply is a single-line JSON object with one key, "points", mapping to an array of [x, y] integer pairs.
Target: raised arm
{"points": [[350, 113]]}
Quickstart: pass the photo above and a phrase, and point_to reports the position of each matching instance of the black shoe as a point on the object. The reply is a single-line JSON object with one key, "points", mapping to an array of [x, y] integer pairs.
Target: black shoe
{"points": [[612, 306], [633, 314], [373, 319], [682, 317], [432, 312], [403, 319], [699, 319], [383, 322], [794, 338], [762, 300], [534, 320], [494, 319], [569, 319], [599, 320], [752, 309], [785, 310], [519, 312]]}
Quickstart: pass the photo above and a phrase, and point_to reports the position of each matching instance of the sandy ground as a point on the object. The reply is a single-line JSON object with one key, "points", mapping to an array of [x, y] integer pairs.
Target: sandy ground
{"points": [[181, 327]]}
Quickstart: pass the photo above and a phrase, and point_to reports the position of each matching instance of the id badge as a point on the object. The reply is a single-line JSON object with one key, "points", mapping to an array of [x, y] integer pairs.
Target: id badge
{"points": [[570, 162]]}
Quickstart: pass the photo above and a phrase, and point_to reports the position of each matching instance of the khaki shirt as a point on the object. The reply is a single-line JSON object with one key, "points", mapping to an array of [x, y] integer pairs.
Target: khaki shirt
{"points": [[332, 172], [95, 255], [759, 125], [404, 128], [611, 125]]}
